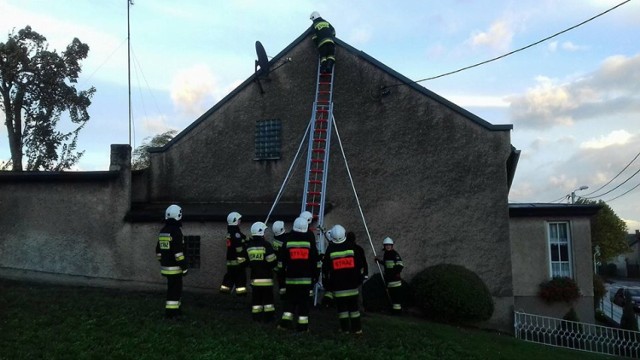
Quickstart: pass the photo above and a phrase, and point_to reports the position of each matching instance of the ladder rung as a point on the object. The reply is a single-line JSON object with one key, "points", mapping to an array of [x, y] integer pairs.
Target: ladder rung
{"points": [[313, 192], [323, 110], [318, 150], [316, 170], [313, 204], [318, 139], [317, 160], [315, 181]]}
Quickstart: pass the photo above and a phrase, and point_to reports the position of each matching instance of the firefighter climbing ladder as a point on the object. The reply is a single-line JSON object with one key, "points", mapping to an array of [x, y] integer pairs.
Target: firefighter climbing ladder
{"points": [[315, 181]]}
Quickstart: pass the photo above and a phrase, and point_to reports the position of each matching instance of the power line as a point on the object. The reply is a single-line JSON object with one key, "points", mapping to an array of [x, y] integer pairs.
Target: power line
{"points": [[624, 193], [615, 177], [622, 183], [517, 50]]}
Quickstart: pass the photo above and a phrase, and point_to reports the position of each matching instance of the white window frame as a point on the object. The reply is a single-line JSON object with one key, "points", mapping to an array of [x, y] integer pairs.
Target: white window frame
{"points": [[561, 267]]}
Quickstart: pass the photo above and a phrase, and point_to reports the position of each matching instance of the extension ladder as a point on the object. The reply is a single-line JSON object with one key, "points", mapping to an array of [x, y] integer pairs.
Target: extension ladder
{"points": [[315, 182]]}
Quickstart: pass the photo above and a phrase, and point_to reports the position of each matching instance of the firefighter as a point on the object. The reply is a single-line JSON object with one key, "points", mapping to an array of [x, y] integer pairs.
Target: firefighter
{"points": [[392, 268], [307, 215], [298, 259], [359, 251], [342, 272], [323, 37], [173, 265], [279, 238], [262, 260], [236, 275]]}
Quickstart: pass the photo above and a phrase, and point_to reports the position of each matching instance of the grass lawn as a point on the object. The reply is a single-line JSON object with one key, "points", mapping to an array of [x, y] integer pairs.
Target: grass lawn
{"points": [[41, 321]]}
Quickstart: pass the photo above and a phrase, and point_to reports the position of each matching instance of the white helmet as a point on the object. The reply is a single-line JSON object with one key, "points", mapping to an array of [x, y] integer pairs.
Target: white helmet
{"points": [[307, 215], [233, 218], [173, 212], [300, 225], [338, 234], [278, 228], [258, 228], [314, 15], [387, 241]]}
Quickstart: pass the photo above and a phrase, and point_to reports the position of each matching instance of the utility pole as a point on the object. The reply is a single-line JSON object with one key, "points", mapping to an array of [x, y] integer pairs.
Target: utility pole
{"points": [[129, 3]]}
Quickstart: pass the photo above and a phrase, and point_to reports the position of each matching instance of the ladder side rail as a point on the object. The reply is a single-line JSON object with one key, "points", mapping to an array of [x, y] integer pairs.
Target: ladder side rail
{"points": [[311, 129]]}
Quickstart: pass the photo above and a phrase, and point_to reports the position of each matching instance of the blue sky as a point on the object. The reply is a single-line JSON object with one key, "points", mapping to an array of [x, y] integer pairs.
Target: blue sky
{"points": [[573, 100]]}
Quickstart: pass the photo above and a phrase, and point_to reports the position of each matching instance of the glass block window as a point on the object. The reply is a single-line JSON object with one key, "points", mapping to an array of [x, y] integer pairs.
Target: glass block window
{"points": [[192, 251], [560, 249], [268, 139]]}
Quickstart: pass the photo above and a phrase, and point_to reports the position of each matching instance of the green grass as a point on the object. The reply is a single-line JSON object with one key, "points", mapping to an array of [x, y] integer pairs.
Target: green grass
{"points": [[40, 321]]}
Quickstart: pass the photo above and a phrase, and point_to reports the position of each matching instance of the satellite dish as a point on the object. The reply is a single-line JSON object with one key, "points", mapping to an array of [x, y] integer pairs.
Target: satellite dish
{"points": [[262, 64]]}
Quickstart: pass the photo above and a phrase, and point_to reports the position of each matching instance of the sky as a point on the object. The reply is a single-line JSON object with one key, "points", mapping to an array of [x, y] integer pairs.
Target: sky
{"points": [[573, 99]]}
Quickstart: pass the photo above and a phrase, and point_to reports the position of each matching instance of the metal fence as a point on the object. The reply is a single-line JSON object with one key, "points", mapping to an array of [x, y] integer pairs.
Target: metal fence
{"points": [[577, 335]]}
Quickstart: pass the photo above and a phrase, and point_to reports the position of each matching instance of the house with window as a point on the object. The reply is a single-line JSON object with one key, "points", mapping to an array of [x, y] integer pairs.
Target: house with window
{"points": [[551, 240], [405, 163]]}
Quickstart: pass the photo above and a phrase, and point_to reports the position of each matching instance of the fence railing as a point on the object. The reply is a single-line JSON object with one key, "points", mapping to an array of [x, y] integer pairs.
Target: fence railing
{"points": [[577, 335]]}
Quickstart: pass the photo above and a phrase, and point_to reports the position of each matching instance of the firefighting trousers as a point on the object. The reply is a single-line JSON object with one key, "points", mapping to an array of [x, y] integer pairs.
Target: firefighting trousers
{"points": [[349, 313], [396, 294], [296, 303], [236, 276], [174, 295], [327, 52], [262, 307]]}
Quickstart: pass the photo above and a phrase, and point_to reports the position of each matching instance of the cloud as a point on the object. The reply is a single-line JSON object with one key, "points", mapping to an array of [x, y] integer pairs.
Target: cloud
{"points": [[618, 137], [192, 90], [612, 89], [566, 46], [498, 37]]}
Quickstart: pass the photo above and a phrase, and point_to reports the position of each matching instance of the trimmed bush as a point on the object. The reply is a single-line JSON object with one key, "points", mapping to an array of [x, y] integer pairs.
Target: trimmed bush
{"points": [[559, 289], [452, 293]]}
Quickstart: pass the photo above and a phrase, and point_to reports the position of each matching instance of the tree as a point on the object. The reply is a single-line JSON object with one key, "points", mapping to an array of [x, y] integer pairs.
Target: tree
{"points": [[608, 231], [141, 153], [36, 88]]}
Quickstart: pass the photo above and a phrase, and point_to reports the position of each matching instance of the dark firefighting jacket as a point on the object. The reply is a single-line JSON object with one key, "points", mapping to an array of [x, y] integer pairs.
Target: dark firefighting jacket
{"points": [[299, 258], [261, 261], [392, 268], [323, 32], [236, 251], [170, 249], [342, 269]]}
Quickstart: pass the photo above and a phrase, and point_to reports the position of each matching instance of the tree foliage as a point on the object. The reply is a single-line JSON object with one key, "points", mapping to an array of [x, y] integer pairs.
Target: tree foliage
{"points": [[608, 231], [141, 153], [37, 86]]}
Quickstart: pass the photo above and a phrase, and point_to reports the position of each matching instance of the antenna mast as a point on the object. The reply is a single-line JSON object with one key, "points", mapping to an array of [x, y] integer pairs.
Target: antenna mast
{"points": [[129, 3]]}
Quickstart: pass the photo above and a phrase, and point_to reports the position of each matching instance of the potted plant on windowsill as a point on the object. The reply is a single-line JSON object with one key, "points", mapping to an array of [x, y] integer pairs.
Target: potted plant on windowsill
{"points": [[559, 289]]}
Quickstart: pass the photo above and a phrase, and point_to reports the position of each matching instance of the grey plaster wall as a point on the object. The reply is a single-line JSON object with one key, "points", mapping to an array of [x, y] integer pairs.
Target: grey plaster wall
{"points": [[530, 259], [426, 174]]}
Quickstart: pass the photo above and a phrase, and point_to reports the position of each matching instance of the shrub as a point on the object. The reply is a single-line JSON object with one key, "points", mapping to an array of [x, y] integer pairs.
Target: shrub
{"points": [[599, 290], [571, 315], [452, 293], [559, 289]]}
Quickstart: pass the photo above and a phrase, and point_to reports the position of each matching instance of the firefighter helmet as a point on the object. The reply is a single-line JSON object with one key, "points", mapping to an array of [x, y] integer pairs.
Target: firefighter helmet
{"points": [[314, 15], [300, 225], [173, 212], [258, 228], [233, 218], [307, 215], [278, 228], [387, 241], [338, 234]]}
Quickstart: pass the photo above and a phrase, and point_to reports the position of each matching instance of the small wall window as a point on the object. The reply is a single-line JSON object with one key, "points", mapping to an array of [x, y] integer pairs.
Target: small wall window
{"points": [[268, 139], [192, 251], [559, 240]]}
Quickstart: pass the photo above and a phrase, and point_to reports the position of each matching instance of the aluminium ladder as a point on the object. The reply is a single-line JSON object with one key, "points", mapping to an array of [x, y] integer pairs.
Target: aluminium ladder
{"points": [[315, 182]]}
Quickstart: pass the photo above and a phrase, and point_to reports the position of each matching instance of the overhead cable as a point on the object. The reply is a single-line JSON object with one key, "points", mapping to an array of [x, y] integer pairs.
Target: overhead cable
{"points": [[517, 50]]}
